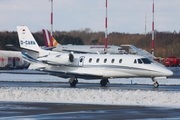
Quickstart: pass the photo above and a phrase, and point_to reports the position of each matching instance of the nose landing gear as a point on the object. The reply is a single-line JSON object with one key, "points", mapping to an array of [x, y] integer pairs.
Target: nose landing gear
{"points": [[156, 84]]}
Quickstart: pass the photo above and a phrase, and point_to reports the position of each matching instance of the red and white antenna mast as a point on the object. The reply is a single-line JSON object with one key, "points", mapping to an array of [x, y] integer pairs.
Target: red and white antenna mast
{"points": [[106, 40], [51, 19], [152, 50], [145, 25]]}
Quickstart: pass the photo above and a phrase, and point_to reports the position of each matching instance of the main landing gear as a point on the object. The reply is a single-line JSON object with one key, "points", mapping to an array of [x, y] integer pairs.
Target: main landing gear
{"points": [[73, 81], [104, 81], [156, 84]]}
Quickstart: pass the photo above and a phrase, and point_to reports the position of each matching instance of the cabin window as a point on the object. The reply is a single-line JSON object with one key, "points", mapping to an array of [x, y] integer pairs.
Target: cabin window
{"points": [[135, 61], [97, 60], [146, 61], [139, 61], [90, 60], [120, 60], [112, 61], [105, 60], [81, 59]]}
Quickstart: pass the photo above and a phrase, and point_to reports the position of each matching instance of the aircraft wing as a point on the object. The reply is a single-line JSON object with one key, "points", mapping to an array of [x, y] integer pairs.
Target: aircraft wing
{"points": [[65, 74], [76, 51], [64, 50], [49, 48], [18, 48], [10, 46], [62, 74], [24, 71]]}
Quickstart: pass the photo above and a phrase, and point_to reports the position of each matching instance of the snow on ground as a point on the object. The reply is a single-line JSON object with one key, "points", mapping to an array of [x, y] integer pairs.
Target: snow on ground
{"points": [[87, 95], [91, 96]]}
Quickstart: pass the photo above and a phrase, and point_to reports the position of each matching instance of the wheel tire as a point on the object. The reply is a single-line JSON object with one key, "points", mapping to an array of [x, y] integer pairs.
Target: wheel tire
{"points": [[104, 82], [73, 84], [156, 84]]}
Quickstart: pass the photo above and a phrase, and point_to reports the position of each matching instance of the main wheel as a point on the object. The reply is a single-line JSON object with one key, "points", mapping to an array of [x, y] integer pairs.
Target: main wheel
{"points": [[73, 84], [103, 82]]}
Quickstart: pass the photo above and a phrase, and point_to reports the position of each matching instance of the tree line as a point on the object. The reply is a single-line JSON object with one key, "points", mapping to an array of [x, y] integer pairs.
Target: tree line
{"points": [[166, 43]]}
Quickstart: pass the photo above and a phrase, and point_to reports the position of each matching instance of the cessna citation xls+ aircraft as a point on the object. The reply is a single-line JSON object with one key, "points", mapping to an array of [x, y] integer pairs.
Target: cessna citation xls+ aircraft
{"points": [[88, 66]]}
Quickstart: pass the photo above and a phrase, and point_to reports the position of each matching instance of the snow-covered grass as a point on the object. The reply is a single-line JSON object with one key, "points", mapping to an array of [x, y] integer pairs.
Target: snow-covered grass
{"points": [[88, 95], [92, 96]]}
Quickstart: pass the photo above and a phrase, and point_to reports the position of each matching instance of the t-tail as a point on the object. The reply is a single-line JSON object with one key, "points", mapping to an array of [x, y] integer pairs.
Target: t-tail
{"points": [[29, 44], [49, 40]]}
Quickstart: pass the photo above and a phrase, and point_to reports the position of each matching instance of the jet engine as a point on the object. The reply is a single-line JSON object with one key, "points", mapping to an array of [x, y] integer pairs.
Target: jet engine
{"points": [[58, 59]]}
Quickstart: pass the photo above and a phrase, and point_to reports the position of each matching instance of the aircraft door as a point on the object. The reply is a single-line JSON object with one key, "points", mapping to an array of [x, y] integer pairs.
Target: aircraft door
{"points": [[81, 61]]}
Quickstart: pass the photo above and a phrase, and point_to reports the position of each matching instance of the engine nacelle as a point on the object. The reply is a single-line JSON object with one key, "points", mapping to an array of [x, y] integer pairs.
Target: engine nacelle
{"points": [[58, 59]]}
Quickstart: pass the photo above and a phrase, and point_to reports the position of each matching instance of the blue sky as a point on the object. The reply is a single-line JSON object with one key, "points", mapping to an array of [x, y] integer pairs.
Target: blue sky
{"points": [[123, 15]]}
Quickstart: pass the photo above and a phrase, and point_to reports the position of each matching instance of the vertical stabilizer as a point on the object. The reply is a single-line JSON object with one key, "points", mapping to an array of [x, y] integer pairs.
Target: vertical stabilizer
{"points": [[50, 41], [47, 38], [26, 40], [29, 44], [55, 43]]}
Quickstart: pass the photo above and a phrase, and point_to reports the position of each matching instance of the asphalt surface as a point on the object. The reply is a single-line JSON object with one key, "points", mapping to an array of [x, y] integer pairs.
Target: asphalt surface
{"points": [[60, 111], [45, 111], [90, 85], [49, 111]]}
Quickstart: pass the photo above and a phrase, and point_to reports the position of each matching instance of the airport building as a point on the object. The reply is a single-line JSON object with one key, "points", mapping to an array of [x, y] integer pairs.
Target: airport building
{"points": [[11, 60]]}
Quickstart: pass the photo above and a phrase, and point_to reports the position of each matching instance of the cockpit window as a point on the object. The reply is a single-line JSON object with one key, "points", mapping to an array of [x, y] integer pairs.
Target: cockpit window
{"points": [[135, 61], [146, 61], [139, 61]]}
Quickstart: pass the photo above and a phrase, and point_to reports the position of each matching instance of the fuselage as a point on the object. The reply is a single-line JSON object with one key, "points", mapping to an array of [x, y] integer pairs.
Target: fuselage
{"points": [[88, 66], [89, 48], [107, 66]]}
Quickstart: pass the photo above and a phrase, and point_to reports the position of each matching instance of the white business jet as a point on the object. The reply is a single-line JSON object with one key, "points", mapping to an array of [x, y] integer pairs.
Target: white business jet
{"points": [[88, 66]]}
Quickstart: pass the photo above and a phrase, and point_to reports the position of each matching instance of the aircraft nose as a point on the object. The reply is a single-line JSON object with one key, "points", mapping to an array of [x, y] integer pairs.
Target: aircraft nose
{"points": [[168, 72]]}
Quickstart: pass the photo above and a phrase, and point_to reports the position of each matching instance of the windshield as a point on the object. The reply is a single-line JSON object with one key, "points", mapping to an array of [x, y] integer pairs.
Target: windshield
{"points": [[146, 60]]}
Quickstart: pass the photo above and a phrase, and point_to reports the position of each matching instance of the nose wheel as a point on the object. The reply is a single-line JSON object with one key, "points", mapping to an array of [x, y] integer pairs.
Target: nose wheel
{"points": [[156, 84]]}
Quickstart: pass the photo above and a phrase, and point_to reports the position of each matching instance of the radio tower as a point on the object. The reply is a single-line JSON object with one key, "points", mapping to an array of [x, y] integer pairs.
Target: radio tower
{"points": [[106, 40], [145, 25], [51, 19], [152, 50]]}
